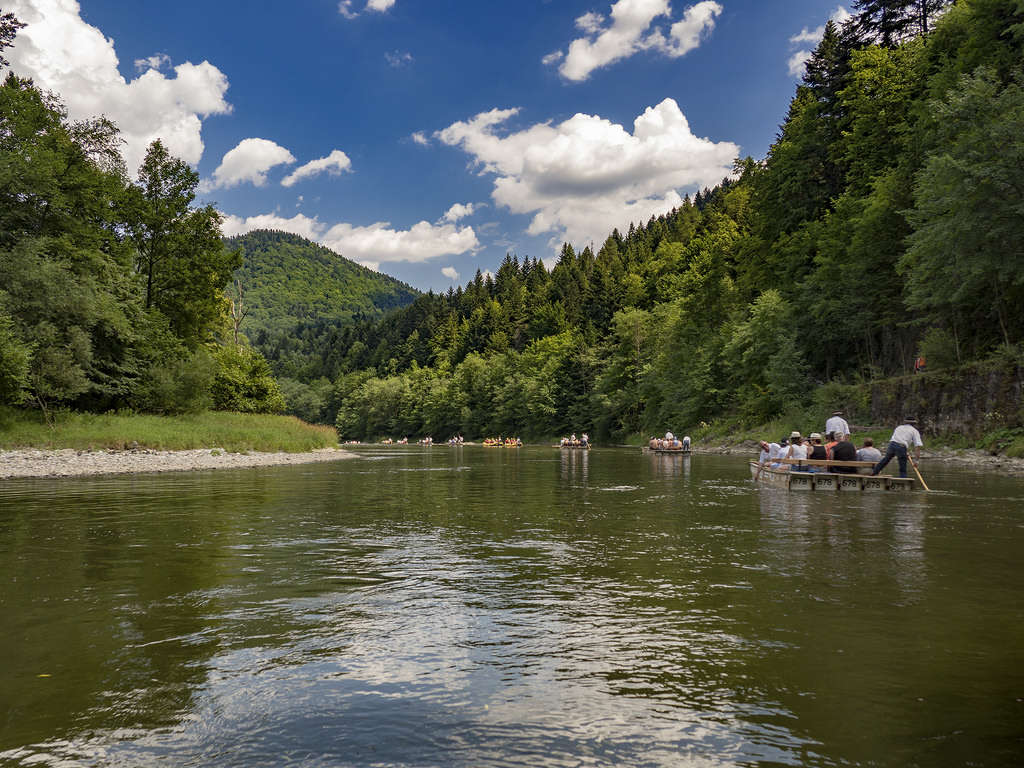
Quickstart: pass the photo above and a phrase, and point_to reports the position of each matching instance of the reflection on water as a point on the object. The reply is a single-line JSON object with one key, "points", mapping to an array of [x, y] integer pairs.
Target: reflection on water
{"points": [[508, 607]]}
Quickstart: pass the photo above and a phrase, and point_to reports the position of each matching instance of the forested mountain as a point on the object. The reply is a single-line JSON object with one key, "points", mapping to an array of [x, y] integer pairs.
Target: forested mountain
{"points": [[286, 280], [886, 222]]}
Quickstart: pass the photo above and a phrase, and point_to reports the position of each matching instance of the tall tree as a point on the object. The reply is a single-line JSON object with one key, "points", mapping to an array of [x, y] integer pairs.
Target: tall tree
{"points": [[180, 255], [9, 26], [891, 22], [61, 265], [967, 240]]}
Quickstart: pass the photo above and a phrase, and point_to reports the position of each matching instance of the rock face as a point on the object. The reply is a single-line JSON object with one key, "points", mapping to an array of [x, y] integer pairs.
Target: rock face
{"points": [[71, 463], [971, 401]]}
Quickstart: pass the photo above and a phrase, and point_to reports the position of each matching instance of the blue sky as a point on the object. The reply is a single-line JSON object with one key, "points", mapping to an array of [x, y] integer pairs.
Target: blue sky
{"points": [[428, 138]]}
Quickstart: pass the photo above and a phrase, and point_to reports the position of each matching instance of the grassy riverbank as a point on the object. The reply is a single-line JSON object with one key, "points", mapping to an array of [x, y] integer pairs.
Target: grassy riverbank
{"points": [[232, 432]]}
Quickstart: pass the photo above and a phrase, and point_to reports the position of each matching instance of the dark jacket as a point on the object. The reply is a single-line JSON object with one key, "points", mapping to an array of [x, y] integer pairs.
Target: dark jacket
{"points": [[844, 451]]}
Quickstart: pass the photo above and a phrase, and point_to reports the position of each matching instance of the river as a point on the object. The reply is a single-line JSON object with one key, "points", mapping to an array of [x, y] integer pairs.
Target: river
{"points": [[509, 607]]}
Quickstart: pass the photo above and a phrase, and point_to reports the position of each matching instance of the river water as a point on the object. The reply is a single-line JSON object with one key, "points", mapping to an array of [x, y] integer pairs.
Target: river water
{"points": [[509, 607]]}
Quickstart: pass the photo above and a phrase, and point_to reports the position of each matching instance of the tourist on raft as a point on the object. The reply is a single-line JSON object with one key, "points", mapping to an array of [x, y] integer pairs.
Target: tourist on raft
{"points": [[815, 451], [844, 450], [769, 455], [777, 458], [797, 451], [868, 452]]}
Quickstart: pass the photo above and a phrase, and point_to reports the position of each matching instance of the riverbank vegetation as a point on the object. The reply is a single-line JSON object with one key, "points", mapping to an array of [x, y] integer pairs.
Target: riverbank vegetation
{"points": [[232, 432]]}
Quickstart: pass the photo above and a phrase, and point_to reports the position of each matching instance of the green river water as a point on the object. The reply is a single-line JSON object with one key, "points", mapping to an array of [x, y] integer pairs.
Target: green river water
{"points": [[509, 607]]}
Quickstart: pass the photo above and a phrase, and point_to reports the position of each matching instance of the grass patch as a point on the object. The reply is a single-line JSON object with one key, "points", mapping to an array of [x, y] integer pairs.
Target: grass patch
{"points": [[232, 432], [1005, 441]]}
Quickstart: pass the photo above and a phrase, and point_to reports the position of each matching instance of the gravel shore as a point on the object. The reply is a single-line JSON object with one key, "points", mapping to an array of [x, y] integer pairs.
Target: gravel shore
{"points": [[71, 463]]}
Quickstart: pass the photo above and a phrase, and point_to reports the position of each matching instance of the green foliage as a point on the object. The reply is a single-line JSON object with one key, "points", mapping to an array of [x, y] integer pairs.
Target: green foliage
{"points": [[969, 208], [180, 256], [884, 221], [110, 290], [939, 348], [177, 382], [853, 399], [764, 365], [243, 383], [15, 356], [309, 402]]}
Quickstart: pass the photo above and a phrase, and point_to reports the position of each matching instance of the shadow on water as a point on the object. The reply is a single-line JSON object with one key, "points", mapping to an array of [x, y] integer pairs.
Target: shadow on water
{"points": [[509, 607]]}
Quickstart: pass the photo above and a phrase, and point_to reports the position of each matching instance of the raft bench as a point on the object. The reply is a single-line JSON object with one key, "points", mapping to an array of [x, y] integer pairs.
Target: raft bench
{"points": [[822, 481]]}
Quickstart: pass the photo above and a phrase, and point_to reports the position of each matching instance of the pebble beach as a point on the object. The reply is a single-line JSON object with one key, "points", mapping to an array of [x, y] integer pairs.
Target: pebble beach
{"points": [[72, 463]]}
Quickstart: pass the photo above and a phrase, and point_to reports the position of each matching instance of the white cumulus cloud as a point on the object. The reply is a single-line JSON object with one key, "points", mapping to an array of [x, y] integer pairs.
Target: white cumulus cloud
{"points": [[64, 54], [378, 243], [631, 29], [459, 211], [378, 6], [297, 225], [249, 163], [582, 177], [334, 164], [451, 273]]}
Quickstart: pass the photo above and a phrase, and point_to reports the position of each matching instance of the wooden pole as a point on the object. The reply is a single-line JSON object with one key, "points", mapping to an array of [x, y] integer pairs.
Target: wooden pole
{"points": [[918, 472]]}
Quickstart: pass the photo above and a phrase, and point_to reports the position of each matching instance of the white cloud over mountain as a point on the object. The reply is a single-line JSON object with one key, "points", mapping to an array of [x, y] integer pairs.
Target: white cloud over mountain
{"points": [[583, 176], [378, 243], [372, 245], [346, 7]]}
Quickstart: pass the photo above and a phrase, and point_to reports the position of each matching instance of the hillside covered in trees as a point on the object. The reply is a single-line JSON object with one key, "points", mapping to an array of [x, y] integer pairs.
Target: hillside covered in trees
{"points": [[884, 223], [286, 280]]}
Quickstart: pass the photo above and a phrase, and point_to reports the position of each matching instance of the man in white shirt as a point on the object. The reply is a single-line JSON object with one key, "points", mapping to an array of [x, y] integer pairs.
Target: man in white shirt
{"points": [[837, 424], [904, 437], [769, 455]]}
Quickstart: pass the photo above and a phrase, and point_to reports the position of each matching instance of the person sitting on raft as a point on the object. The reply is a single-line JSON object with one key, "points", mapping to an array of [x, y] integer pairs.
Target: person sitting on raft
{"points": [[797, 451], [816, 451], [777, 458], [844, 450]]}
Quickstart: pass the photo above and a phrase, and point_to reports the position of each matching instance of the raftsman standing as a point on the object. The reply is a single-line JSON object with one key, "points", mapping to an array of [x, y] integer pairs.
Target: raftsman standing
{"points": [[904, 437]]}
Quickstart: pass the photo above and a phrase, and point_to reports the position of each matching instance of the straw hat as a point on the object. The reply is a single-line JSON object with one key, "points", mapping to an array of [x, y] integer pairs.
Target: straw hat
{"points": [[795, 435]]}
